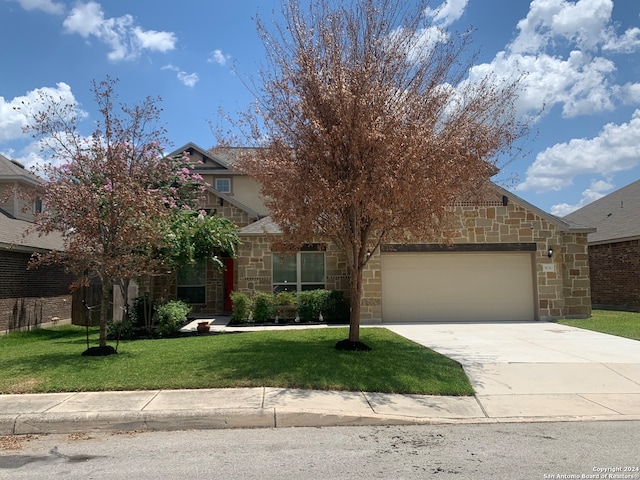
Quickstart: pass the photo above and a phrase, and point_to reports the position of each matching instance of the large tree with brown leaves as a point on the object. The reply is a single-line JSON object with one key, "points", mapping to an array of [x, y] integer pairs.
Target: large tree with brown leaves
{"points": [[369, 129]]}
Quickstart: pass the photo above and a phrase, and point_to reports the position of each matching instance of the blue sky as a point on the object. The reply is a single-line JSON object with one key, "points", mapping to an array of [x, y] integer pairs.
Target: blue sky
{"points": [[581, 58]]}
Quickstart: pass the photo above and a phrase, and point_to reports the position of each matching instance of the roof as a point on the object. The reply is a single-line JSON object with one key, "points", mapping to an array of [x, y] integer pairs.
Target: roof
{"points": [[13, 170], [12, 237], [616, 216], [266, 225], [561, 223], [216, 160]]}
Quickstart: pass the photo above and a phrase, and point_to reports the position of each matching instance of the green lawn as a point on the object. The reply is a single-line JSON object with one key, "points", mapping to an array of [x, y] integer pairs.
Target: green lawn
{"points": [[622, 324], [50, 361]]}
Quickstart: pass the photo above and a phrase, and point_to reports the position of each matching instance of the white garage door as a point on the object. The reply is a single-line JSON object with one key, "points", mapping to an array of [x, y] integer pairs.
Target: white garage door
{"points": [[461, 286]]}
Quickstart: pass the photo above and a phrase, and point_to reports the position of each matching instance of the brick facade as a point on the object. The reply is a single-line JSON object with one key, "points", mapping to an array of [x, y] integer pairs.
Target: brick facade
{"points": [[561, 282], [31, 298], [615, 275]]}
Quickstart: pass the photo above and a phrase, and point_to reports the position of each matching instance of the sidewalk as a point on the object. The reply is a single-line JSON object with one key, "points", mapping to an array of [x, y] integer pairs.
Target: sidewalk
{"points": [[521, 372], [277, 408]]}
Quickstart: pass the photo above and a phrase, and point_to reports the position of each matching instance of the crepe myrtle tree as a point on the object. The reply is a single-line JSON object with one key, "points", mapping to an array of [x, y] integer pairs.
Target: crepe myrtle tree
{"points": [[369, 128], [110, 193]]}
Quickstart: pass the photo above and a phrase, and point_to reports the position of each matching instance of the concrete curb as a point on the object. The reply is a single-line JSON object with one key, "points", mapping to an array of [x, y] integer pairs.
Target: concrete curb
{"points": [[67, 423]]}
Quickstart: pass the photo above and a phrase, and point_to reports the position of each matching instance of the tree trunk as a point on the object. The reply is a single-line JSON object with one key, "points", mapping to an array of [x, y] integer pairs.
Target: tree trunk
{"points": [[104, 310], [355, 288]]}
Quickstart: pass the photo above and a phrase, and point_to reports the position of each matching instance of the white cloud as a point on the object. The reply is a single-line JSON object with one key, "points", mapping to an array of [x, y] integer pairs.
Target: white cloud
{"points": [[13, 118], [448, 12], [188, 79], [627, 43], [47, 6], [559, 50], [583, 22], [218, 57], [125, 39], [598, 189], [615, 149]]}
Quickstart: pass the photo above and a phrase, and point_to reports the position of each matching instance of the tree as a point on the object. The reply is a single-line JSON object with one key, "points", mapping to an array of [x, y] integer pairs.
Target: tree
{"points": [[112, 192], [368, 129]]}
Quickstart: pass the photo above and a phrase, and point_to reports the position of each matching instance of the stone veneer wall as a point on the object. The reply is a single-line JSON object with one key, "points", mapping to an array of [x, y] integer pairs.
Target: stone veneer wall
{"points": [[562, 292], [254, 267], [615, 275]]}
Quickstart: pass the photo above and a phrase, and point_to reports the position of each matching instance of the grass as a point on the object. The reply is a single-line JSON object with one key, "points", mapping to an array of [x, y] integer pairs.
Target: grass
{"points": [[50, 361], [622, 324]]}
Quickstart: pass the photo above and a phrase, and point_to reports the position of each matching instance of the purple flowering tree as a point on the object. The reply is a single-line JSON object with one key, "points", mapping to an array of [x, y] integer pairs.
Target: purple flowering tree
{"points": [[113, 193]]}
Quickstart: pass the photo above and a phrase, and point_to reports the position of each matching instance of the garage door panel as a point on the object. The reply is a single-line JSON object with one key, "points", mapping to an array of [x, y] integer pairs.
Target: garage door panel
{"points": [[457, 286]]}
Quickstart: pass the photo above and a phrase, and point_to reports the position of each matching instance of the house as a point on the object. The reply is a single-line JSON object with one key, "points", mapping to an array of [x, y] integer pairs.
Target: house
{"points": [[614, 249], [27, 297], [509, 260]]}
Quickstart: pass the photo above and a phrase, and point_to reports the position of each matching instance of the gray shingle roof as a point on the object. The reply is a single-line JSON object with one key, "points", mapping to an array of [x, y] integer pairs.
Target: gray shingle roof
{"points": [[616, 216], [12, 237], [14, 171]]}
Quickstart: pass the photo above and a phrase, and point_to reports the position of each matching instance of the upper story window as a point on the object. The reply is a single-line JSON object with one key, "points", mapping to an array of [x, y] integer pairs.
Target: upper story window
{"points": [[37, 206], [223, 185]]}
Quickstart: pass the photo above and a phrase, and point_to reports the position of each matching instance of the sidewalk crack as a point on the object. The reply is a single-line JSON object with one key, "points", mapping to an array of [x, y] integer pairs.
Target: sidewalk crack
{"points": [[484, 412]]}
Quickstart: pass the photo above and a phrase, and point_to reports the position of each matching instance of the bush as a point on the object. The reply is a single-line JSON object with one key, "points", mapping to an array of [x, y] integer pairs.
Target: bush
{"points": [[141, 305], [241, 306], [123, 330], [310, 303], [285, 299], [334, 308], [171, 316], [263, 306]]}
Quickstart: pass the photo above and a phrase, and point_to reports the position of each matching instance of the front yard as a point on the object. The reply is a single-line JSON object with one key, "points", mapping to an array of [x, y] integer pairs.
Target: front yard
{"points": [[51, 361], [622, 324]]}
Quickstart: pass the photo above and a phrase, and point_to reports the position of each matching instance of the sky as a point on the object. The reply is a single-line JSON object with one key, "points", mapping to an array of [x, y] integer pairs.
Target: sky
{"points": [[580, 93]]}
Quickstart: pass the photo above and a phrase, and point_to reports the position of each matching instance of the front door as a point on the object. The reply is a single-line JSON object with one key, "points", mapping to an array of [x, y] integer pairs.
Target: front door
{"points": [[228, 283]]}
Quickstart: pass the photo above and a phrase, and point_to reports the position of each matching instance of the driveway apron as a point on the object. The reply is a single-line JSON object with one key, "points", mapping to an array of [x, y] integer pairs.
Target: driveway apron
{"points": [[551, 368]]}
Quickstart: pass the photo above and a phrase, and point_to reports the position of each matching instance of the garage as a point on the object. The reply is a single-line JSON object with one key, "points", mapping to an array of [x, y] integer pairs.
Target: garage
{"points": [[457, 286]]}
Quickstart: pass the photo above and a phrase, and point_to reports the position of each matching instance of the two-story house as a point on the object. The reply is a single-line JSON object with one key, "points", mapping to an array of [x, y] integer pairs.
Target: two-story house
{"points": [[27, 297]]}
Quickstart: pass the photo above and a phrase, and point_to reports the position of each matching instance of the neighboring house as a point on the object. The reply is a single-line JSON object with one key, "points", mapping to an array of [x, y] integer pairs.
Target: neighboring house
{"points": [[27, 297], [614, 249], [509, 261]]}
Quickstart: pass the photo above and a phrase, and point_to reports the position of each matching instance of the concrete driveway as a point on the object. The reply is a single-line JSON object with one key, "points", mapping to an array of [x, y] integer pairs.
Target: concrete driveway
{"points": [[539, 368]]}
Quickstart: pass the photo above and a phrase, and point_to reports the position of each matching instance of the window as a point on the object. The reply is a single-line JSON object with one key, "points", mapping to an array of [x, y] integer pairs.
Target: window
{"points": [[223, 185], [37, 205], [191, 283], [298, 272]]}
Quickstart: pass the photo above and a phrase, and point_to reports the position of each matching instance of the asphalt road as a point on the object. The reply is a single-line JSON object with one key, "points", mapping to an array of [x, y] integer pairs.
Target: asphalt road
{"points": [[499, 451]]}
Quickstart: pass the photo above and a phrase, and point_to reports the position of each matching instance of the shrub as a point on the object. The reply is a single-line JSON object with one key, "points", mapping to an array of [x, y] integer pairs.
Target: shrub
{"points": [[334, 308], [309, 304], [241, 306], [141, 305], [171, 316], [285, 299], [263, 307], [123, 330]]}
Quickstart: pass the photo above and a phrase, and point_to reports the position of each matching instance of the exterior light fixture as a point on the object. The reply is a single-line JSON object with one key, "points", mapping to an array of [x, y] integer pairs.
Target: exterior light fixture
{"points": [[550, 252]]}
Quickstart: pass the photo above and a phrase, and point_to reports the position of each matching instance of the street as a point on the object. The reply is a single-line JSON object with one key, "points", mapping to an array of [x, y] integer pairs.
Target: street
{"points": [[509, 451]]}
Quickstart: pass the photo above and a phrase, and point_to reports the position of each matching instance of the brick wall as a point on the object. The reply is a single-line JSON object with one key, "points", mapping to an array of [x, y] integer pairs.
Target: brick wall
{"points": [[31, 297], [615, 275]]}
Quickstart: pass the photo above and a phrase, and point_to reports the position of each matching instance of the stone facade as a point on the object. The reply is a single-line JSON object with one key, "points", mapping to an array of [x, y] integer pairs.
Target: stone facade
{"points": [[561, 281], [615, 275]]}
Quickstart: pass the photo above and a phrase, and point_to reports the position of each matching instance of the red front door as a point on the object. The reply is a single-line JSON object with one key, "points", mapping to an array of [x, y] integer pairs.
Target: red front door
{"points": [[228, 283]]}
